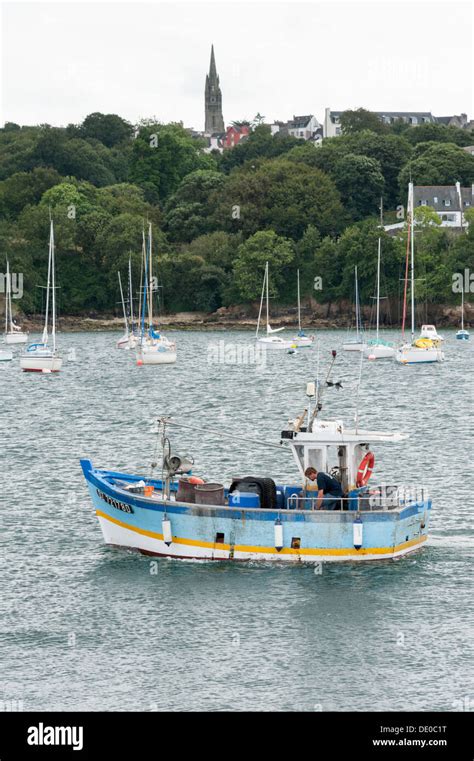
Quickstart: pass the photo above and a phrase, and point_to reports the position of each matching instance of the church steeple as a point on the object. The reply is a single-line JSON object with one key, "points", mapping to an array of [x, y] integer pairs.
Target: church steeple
{"points": [[214, 121]]}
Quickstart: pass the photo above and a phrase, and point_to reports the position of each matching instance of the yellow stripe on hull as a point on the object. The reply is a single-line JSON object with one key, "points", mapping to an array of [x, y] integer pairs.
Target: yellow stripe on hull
{"points": [[315, 552]]}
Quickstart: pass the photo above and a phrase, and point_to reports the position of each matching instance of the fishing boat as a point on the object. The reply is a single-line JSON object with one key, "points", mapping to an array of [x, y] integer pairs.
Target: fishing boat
{"points": [[13, 333], [44, 356], [357, 343], [301, 340], [378, 348], [462, 334], [422, 350], [180, 515], [153, 348]]}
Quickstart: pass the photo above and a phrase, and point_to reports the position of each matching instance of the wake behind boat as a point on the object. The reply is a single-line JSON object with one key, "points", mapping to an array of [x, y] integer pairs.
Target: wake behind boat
{"points": [[253, 518]]}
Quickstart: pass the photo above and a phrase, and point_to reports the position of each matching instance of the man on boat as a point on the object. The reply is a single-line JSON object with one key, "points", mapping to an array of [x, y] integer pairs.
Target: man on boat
{"points": [[328, 488]]}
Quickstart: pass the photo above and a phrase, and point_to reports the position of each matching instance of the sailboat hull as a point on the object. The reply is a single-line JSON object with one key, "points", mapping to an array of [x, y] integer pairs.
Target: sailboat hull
{"points": [[274, 342], [159, 353], [412, 355], [462, 335], [15, 338], [354, 346], [379, 351], [41, 362]]}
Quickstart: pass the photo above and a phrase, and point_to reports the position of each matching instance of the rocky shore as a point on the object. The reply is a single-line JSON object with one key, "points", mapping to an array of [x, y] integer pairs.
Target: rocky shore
{"points": [[242, 317]]}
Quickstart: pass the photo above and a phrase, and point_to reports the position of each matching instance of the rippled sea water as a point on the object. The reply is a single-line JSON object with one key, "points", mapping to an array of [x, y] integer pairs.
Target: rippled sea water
{"points": [[86, 627]]}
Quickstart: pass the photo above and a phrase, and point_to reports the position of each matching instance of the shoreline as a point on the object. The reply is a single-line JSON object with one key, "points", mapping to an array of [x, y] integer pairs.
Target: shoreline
{"points": [[245, 318]]}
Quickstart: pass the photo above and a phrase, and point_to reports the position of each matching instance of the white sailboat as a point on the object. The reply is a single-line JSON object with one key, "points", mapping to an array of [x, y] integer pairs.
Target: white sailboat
{"points": [[421, 350], [357, 343], [13, 333], [123, 342], [129, 339], [153, 348], [378, 349], [462, 334], [6, 355], [44, 357], [270, 340], [301, 340]]}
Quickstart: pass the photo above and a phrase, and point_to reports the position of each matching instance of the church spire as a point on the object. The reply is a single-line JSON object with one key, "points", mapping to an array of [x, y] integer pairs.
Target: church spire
{"points": [[214, 121]]}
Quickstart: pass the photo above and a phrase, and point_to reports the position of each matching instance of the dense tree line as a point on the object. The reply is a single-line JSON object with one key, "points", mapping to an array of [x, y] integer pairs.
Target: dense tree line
{"points": [[218, 218]]}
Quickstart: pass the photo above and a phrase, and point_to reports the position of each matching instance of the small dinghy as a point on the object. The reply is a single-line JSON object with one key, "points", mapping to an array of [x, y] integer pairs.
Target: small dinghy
{"points": [[254, 518]]}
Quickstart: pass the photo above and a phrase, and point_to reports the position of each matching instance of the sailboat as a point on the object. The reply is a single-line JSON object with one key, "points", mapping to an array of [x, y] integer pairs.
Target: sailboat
{"points": [[153, 348], [129, 339], [462, 335], [123, 343], [422, 350], [44, 357], [357, 343], [378, 349], [13, 333], [270, 340], [301, 340]]}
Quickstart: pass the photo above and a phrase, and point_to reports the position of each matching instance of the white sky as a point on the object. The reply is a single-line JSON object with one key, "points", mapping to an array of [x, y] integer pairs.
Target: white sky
{"points": [[62, 61]]}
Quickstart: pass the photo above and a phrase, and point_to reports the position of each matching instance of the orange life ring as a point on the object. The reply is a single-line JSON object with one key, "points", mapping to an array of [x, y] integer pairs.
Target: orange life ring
{"points": [[365, 469], [195, 480]]}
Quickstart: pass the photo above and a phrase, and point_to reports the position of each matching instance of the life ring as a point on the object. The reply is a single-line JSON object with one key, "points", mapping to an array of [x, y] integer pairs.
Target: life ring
{"points": [[365, 469]]}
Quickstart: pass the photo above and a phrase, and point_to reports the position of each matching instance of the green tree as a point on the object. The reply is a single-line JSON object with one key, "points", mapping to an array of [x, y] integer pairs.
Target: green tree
{"points": [[260, 144], [162, 155], [109, 129], [23, 188], [361, 119], [438, 164], [360, 183], [189, 210], [252, 255]]}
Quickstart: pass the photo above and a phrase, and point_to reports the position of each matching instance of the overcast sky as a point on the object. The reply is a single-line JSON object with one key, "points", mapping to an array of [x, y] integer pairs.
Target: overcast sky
{"points": [[62, 61]]}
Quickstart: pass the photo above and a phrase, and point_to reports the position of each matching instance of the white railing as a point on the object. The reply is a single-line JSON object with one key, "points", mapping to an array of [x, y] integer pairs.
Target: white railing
{"points": [[379, 498]]}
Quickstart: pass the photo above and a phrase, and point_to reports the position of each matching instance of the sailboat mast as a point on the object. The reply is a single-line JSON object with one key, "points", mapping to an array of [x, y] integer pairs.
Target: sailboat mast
{"points": [[53, 287], [150, 296], [8, 302], [357, 303], [130, 292], [299, 302], [462, 309], [266, 276], [412, 263], [378, 292], [261, 303], [46, 313], [123, 304]]}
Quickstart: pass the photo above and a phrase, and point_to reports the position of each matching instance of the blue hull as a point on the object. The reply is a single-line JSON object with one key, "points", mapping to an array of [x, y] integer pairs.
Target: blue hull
{"points": [[210, 532]]}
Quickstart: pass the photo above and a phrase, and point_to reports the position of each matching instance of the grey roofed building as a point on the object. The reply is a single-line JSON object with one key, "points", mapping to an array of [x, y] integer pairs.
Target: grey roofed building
{"points": [[442, 198], [299, 122]]}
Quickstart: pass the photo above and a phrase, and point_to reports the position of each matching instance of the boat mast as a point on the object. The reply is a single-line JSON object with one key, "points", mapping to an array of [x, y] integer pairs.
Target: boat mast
{"points": [[462, 308], [130, 292], [357, 304], [378, 293], [145, 285], [150, 302], [46, 314], [266, 276], [412, 264], [53, 288], [123, 304], [8, 302], [299, 303], [261, 302]]}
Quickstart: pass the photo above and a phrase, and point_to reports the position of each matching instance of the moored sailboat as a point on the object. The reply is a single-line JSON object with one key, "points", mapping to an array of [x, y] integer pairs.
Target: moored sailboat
{"points": [[13, 333], [462, 334], [301, 340], [270, 340], [378, 349], [44, 356], [421, 350], [153, 348], [357, 343]]}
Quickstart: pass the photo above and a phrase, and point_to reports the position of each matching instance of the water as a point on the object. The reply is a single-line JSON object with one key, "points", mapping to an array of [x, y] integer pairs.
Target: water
{"points": [[86, 627]]}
